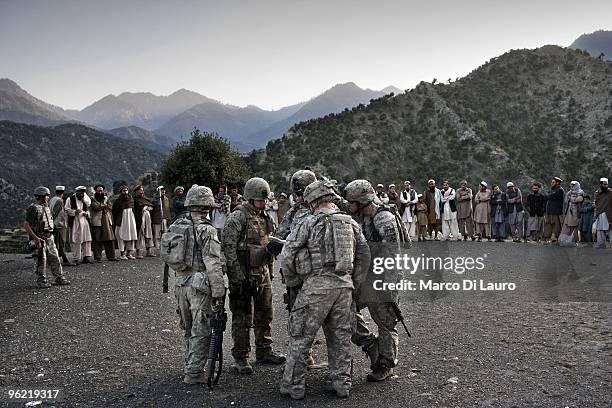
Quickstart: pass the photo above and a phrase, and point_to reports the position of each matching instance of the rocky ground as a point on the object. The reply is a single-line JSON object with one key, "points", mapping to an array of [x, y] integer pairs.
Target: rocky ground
{"points": [[112, 338]]}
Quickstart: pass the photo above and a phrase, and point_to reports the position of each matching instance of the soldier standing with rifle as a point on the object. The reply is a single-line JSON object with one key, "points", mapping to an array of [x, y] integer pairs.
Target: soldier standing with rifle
{"points": [[200, 289], [384, 233], [249, 265], [39, 226]]}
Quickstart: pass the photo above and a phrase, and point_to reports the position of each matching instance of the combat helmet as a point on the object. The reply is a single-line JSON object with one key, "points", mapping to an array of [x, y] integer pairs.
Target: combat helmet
{"points": [[301, 179], [360, 191], [199, 196], [256, 188], [318, 189], [41, 191]]}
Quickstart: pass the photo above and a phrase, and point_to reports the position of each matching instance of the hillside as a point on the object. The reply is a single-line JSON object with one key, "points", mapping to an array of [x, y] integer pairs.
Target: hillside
{"points": [[67, 154], [595, 44], [334, 100], [528, 114], [143, 136]]}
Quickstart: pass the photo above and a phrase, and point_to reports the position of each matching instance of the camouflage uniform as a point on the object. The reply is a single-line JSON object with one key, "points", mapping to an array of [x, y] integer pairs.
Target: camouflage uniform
{"points": [[41, 221], [196, 290], [328, 253], [379, 229], [245, 234]]}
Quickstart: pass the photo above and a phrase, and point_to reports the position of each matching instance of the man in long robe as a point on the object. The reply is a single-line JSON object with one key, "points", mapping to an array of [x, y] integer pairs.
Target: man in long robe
{"points": [[553, 217], [125, 224], [514, 200], [56, 204], [535, 208], [603, 212], [448, 209], [465, 221], [432, 199], [408, 200], [161, 216], [144, 228], [482, 212], [77, 209], [102, 225]]}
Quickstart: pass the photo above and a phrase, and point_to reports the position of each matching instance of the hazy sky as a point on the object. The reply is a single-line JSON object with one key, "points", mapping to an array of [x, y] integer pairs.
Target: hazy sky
{"points": [[268, 53]]}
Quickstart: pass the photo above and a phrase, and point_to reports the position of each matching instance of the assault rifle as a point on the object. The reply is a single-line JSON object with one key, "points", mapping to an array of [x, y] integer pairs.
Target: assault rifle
{"points": [[217, 324], [399, 316]]}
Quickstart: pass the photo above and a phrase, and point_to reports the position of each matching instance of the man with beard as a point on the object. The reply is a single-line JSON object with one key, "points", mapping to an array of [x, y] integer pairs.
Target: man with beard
{"points": [[553, 216], [125, 223], [236, 198], [77, 208], [448, 209], [464, 211], [102, 225], [482, 212], [56, 204], [499, 212], [408, 202], [515, 211], [221, 209], [603, 212], [144, 228], [161, 217], [394, 196], [178, 202], [573, 202], [381, 196], [283, 207], [535, 208], [432, 199]]}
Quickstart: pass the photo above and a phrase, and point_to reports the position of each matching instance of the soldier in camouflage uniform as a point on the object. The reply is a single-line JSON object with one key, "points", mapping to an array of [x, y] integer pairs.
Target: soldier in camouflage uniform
{"points": [[245, 235], [384, 236], [199, 290], [296, 214], [39, 226], [328, 255]]}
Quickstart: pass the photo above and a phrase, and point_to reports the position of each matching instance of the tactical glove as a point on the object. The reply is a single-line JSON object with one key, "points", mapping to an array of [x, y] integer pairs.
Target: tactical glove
{"points": [[274, 248]]}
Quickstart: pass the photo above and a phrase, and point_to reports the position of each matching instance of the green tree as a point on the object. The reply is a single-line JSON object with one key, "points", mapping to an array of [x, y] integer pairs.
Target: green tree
{"points": [[206, 159]]}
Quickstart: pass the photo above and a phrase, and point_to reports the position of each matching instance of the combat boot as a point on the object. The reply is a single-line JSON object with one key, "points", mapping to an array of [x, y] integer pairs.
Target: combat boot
{"points": [[43, 285], [242, 366], [200, 379], [294, 394], [381, 373], [271, 358], [61, 281]]}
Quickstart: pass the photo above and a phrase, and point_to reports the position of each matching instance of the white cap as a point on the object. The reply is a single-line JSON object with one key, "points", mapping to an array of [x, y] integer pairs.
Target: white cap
{"points": [[60, 188], [484, 183], [380, 185], [431, 181], [509, 184], [161, 187], [573, 182], [603, 180], [391, 185], [81, 188]]}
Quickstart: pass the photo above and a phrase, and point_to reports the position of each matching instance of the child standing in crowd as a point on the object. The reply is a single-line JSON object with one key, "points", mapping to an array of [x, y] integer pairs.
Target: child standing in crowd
{"points": [[421, 208]]}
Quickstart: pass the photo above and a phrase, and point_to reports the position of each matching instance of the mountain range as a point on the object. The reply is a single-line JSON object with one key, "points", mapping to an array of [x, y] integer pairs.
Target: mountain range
{"points": [[166, 120], [68, 154], [525, 115], [596, 43]]}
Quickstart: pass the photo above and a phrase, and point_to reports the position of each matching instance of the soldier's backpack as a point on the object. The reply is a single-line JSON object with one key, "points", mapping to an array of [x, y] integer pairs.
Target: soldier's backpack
{"points": [[178, 245], [405, 240]]}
